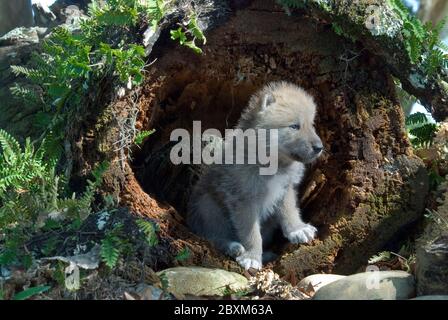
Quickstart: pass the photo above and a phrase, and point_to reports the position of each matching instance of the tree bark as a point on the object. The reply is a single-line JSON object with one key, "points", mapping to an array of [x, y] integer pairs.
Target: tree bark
{"points": [[14, 14], [386, 41]]}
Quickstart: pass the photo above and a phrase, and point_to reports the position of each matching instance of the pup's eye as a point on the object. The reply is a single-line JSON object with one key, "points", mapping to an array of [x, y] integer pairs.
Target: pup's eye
{"points": [[295, 126]]}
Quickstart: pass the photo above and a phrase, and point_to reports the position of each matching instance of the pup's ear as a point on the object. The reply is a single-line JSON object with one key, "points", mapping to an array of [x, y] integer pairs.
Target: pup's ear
{"points": [[266, 101]]}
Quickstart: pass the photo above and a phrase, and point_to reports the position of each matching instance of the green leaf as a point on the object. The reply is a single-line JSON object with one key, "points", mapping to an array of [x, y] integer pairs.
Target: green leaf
{"points": [[178, 34], [142, 135], [149, 230], [25, 294], [109, 252], [184, 254]]}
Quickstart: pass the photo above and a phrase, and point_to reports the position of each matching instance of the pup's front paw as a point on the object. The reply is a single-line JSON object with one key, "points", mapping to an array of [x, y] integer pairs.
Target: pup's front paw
{"points": [[235, 249], [304, 234], [248, 260]]}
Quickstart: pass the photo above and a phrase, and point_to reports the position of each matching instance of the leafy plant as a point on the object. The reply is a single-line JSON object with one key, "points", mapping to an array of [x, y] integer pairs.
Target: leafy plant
{"points": [[188, 33], [110, 251], [33, 196], [142, 135], [28, 293], [112, 246], [19, 167], [382, 256], [149, 230], [420, 129], [184, 254], [106, 44], [422, 41]]}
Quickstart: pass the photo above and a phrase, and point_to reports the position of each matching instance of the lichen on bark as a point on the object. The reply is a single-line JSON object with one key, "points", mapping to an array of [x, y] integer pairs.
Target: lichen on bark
{"points": [[385, 38]]}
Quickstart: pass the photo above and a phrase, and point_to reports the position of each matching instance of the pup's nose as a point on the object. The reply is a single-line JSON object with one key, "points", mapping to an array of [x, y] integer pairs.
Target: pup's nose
{"points": [[317, 148]]}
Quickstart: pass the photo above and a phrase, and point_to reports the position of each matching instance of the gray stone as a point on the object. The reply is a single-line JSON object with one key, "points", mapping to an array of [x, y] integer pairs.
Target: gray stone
{"points": [[198, 281], [377, 285], [43, 16], [21, 35], [317, 281], [432, 265], [149, 292]]}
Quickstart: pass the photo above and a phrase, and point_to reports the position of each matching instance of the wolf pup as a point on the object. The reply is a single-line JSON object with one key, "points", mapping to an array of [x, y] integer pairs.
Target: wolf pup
{"points": [[237, 208]]}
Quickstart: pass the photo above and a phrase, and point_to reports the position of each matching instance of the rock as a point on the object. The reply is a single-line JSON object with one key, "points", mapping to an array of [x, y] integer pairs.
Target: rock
{"points": [[198, 281], [43, 16], [434, 297], [432, 250], [72, 17], [148, 292], [317, 281], [22, 35], [16, 48], [432, 267], [378, 285]]}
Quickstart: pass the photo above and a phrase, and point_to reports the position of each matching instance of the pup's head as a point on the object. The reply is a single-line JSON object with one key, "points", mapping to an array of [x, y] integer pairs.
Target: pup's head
{"points": [[288, 108]]}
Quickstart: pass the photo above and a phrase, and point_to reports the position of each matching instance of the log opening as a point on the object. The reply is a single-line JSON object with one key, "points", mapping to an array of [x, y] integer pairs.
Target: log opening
{"points": [[347, 193]]}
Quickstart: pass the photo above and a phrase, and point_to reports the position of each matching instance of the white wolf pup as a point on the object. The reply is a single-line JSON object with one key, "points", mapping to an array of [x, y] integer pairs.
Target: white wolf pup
{"points": [[235, 207]]}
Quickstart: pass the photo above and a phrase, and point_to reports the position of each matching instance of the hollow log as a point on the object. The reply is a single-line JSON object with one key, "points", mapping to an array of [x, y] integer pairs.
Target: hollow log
{"points": [[365, 190]]}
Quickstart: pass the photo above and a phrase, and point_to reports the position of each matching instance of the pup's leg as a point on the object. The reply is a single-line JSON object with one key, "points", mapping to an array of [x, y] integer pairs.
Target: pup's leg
{"points": [[234, 249], [247, 227], [292, 225], [206, 219]]}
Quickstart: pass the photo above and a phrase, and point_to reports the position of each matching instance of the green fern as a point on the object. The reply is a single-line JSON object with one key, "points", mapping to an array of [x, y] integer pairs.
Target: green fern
{"points": [[26, 94], [142, 135], [422, 41], [420, 129], [380, 257], [82, 205], [149, 230], [32, 194], [417, 118], [110, 253], [32, 74], [112, 247], [188, 33], [183, 255], [18, 167], [105, 45]]}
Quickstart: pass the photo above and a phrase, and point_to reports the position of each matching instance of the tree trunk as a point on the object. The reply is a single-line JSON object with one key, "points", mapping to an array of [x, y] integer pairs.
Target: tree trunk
{"points": [[14, 14]]}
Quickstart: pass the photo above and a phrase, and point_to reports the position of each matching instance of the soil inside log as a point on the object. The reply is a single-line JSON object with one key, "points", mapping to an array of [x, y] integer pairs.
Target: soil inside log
{"points": [[366, 188]]}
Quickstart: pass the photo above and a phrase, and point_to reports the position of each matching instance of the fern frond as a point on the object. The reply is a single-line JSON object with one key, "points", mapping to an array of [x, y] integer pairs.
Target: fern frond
{"points": [[149, 230], [9, 145], [32, 74], [109, 251], [26, 94], [142, 135], [111, 246], [400, 8], [416, 118]]}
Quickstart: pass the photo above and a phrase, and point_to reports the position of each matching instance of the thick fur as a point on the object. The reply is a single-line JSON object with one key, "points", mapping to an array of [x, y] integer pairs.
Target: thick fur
{"points": [[234, 206]]}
